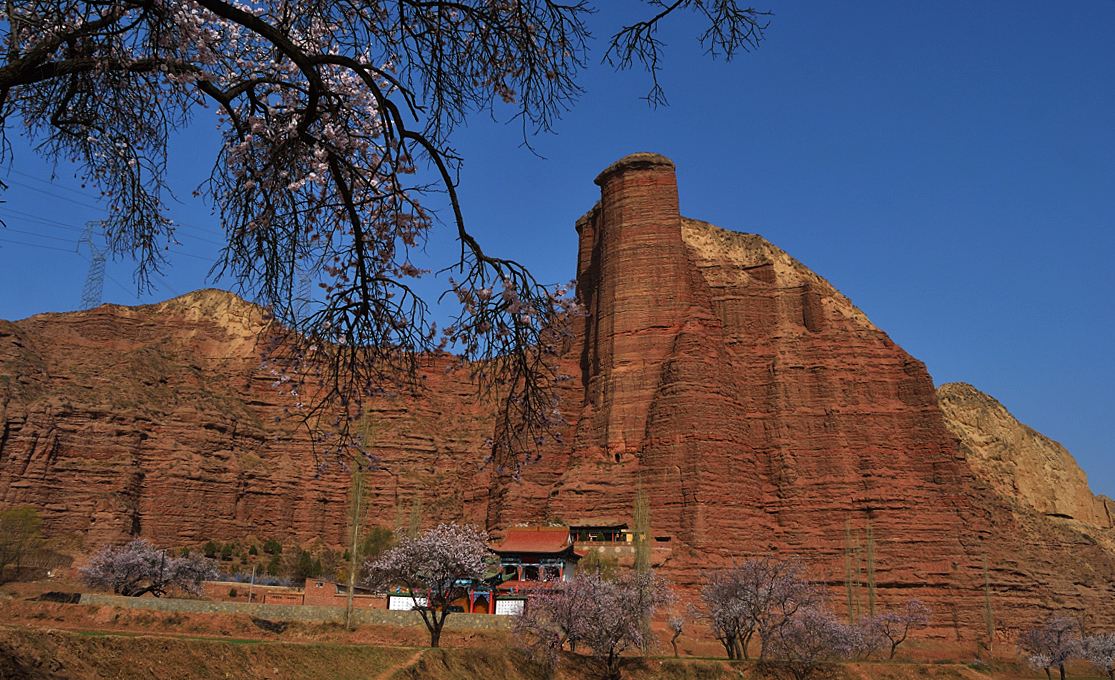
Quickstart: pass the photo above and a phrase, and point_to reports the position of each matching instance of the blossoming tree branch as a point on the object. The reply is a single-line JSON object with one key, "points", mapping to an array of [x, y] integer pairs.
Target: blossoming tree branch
{"points": [[336, 119]]}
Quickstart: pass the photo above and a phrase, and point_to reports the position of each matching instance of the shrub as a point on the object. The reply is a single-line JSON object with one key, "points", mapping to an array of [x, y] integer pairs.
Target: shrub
{"points": [[376, 542], [304, 566]]}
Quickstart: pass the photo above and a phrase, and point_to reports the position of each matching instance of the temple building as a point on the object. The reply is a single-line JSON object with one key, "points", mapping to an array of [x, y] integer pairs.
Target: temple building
{"points": [[534, 557]]}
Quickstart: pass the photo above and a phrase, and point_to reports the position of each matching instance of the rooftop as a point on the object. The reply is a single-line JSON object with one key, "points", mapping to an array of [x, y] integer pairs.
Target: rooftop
{"points": [[535, 540]]}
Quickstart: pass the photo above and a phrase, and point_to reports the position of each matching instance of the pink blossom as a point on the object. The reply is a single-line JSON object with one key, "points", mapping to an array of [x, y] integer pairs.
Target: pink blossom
{"points": [[139, 568]]}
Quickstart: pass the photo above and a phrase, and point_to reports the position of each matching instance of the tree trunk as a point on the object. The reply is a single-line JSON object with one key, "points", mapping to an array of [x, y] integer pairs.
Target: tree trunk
{"points": [[1061, 669], [613, 670], [434, 623], [893, 649], [729, 648]]}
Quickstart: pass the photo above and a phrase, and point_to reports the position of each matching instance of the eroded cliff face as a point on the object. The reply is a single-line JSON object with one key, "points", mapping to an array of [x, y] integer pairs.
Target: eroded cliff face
{"points": [[1021, 464], [159, 421], [759, 409]]}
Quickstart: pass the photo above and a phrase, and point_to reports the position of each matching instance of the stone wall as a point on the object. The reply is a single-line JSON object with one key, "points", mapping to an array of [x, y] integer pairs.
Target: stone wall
{"points": [[276, 612]]}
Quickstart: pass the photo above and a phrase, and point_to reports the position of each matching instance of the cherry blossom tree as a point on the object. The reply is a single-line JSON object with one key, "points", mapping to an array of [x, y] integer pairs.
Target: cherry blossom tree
{"points": [[1099, 650], [138, 568], [756, 597], [603, 615], [895, 625], [810, 638], [436, 567], [1050, 645], [335, 120]]}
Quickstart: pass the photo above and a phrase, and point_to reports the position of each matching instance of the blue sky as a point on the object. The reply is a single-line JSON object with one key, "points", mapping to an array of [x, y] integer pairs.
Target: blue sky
{"points": [[949, 166]]}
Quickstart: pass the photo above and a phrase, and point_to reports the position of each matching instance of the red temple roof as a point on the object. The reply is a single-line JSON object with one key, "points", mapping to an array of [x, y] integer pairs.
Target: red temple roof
{"points": [[535, 540]]}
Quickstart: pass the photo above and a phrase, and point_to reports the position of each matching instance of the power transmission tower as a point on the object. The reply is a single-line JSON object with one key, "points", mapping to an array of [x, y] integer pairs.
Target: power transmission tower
{"points": [[93, 289], [303, 295], [304, 288]]}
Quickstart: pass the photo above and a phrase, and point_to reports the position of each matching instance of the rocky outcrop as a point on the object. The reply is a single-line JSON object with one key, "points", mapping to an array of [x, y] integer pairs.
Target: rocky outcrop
{"points": [[754, 404], [1021, 464]]}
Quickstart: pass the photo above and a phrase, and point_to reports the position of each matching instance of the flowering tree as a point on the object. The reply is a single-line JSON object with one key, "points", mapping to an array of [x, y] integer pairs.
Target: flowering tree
{"points": [[676, 625], [1051, 645], [757, 596], [335, 120], [810, 638], [895, 625], [437, 566], [1099, 650], [725, 611], [139, 568], [604, 615]]}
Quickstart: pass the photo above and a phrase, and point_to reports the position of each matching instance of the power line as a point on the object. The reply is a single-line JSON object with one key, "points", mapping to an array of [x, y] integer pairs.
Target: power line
{"points": [[36, 245], [38, 235], [52, 194], [68, 251], [60, 225]]}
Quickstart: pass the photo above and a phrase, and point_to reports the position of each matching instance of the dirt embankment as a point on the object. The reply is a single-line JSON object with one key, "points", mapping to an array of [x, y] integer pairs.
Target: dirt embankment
{"points": [[51, 654]]}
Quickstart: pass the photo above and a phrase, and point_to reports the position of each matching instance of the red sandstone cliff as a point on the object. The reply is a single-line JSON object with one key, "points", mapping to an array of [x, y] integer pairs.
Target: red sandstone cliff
{"points": [[754, 403], [159, 421]]}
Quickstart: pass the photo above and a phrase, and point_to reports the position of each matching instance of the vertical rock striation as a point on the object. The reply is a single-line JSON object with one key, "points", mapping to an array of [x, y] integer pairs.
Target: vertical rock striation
{"points": [[759, 409]]}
